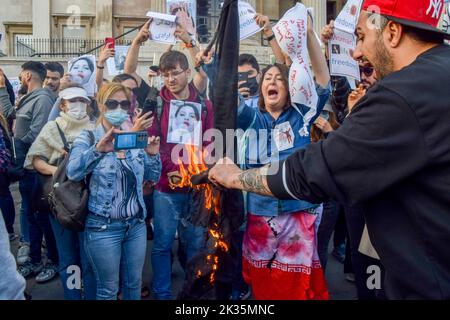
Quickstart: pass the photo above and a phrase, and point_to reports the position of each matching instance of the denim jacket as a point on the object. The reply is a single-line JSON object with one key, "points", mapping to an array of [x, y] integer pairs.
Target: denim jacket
{"points": [[84, 159], [259, 153]]}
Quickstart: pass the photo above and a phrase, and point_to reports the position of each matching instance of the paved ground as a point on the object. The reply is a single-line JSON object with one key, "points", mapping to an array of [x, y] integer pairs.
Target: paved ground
{"points": [[340, 289]]}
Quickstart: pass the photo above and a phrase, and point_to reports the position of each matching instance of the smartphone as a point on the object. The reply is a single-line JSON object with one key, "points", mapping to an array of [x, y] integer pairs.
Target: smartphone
{"points": [[149, 106], [110, 43], [154, 69], [243, 76], [131, 140]]}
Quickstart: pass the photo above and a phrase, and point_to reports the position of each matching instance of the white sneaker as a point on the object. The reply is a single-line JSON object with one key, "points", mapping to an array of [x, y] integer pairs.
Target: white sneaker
{"points": [[23, 254]]}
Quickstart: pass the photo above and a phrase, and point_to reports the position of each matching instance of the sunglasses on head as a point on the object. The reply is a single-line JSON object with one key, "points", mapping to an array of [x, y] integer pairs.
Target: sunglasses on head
{"points": [[113, 104], [368, 71]]}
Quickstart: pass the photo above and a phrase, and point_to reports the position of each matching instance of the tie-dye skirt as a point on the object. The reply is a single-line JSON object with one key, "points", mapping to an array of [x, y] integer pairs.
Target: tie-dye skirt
{"points": [[280, 259]]}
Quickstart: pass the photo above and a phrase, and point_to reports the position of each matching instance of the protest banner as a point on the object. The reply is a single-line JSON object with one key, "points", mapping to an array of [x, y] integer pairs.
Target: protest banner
{"points": [[291, 34], [116, 65], [162, 28], [348, 17], [341, 48], [247, 24], [186, 13]]}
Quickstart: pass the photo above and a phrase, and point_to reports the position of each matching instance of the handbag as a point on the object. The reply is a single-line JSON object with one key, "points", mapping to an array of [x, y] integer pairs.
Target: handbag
{"points": [[69, 199]]}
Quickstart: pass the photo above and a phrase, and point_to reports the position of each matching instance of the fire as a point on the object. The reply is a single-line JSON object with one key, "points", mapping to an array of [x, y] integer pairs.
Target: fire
{"points": [[194, 167]]}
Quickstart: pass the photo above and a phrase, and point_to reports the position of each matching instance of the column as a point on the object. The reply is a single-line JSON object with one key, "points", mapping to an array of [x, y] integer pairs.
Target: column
{"points": [[103, 19], [320, 13], [41, 19], [158, 6]]}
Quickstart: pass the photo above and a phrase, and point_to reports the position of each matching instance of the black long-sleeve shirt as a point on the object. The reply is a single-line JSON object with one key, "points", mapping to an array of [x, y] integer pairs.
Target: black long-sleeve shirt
{"points": [[392, 155]]}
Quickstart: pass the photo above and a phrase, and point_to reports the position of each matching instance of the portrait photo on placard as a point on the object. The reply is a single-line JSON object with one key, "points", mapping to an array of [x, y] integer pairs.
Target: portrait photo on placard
{"points": [[83, 71], [185, 12], [185, 123]]}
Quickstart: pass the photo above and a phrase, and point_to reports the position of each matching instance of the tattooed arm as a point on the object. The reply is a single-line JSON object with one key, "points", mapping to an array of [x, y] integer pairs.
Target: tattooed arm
{"points": [[228, 175]]}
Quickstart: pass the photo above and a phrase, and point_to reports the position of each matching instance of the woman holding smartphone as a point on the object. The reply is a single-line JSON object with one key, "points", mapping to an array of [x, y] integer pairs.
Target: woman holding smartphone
{"points": [[115, 232]]}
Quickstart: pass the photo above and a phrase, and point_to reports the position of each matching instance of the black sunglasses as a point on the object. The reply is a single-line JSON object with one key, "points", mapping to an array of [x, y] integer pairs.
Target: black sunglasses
{"points": [[368, 71], [113, 104]]}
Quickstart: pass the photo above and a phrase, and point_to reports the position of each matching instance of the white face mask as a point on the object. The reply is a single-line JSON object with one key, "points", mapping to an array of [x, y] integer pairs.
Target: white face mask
{"points": [[77, 110]]}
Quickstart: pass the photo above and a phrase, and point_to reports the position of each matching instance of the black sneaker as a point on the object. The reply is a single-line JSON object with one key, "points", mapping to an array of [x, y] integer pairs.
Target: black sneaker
{"points": [[29, 269]]}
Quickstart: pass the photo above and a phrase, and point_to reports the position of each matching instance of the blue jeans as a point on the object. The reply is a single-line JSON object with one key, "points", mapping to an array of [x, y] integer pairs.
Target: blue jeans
{"points": [[71, 253], [7, 203], [116, 248], [25, 189], [171, 213]]}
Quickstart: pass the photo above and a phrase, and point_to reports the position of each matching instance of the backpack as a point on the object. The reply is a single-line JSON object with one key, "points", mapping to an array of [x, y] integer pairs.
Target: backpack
{"points": [[69, 199]]}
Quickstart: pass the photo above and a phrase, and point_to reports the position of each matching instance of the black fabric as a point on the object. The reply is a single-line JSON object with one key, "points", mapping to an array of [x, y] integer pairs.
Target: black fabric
{"points": [[392, 155]]}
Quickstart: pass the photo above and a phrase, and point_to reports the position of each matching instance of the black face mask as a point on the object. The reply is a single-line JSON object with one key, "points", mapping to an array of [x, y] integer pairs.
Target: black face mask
{"points": [[253, 86]]}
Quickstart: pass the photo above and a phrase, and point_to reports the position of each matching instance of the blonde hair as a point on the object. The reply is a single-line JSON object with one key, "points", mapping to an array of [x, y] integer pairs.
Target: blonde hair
{"points": [[106, 92]]}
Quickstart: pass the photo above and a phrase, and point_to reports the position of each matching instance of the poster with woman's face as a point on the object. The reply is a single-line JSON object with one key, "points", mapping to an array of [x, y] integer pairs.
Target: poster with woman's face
{"points": [[185, 123], [83, 71], [186, 13]]}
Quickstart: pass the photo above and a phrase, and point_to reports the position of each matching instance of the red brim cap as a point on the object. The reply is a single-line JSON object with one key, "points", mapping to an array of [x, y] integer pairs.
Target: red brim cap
{"points": [[420, 14]]}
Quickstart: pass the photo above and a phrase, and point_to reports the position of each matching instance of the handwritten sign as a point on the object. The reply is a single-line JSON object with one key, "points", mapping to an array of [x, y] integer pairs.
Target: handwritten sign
{"points": [[162, 28], [348, 17], [247, 24], [341, 47], [291, 34]]}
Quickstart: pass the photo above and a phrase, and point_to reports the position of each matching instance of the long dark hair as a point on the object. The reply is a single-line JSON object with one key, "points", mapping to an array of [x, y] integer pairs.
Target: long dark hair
{"points": [[317, 134], [284, 70]]}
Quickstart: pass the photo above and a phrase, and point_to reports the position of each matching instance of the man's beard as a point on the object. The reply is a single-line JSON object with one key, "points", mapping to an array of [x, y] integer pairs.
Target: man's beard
{"points": [[383, 62]]}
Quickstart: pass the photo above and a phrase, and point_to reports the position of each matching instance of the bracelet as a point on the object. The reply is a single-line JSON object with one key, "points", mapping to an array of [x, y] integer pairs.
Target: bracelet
{"points": [[270, 38], [101, 68]]}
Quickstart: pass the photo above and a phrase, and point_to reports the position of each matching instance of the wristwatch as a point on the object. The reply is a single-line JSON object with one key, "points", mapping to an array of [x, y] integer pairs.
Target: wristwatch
{"points": [[270, 38]]}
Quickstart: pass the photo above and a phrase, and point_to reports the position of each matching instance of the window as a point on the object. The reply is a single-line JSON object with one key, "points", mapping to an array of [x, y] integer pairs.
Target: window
{"points": [[19, 39], [130, 36], [74, 33]]}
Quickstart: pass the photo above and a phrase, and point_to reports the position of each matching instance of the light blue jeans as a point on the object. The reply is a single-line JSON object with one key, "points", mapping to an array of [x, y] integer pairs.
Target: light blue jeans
{"points": [[71, 252], [171, 212], [116, 250]]}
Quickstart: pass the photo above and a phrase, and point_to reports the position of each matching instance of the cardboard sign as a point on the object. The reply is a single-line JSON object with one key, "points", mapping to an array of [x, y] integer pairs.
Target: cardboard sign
{"points": [[186, 13], [341, 48], [247, 23], [291, 34], [162, 28], [116, 65], [348, 17]]}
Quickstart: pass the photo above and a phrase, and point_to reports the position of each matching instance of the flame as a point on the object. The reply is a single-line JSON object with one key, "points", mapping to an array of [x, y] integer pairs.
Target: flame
{"points": [[196, 166]]}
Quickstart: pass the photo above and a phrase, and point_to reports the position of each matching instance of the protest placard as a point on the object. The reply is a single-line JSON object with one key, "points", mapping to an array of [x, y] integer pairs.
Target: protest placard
{"points": [[348, 17], [116, 65], [247, 24], [291, 34], [186, 13], [341, 47], [162, 28], [83, 71]]}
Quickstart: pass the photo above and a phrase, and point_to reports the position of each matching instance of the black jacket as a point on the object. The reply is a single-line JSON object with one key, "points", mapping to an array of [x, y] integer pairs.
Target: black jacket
{"points": [[392, 155]]}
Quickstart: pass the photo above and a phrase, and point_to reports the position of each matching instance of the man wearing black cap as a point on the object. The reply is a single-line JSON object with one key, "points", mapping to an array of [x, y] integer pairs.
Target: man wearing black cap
{"points": [[392, 154]]}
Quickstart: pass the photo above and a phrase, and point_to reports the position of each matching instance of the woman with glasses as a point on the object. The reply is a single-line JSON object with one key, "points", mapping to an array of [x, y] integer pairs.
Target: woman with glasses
{"points": [[115, 231], [44, 154]]}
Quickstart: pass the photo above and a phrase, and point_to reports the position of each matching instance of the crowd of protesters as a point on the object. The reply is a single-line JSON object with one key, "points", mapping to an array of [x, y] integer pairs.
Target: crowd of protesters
{"points": [[133, 194]]}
